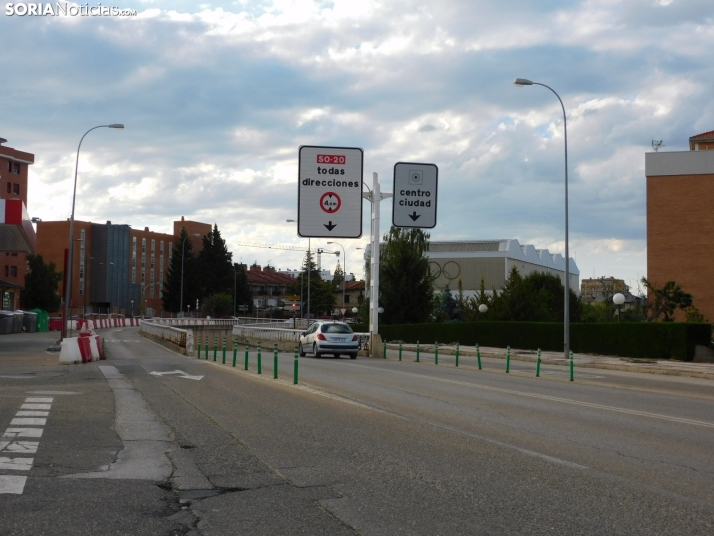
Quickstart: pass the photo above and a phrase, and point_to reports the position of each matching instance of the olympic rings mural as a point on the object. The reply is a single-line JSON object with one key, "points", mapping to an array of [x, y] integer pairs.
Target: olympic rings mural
{"points": [[451, 270]]}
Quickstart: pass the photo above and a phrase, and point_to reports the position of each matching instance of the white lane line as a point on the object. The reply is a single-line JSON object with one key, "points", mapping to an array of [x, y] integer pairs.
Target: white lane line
{"points": [[23, 432], [28, 421], [19, 447], [23, 413], [39, 400], [16, 464], [54, 392], [12, 484], [36, 406], [592, 405]]}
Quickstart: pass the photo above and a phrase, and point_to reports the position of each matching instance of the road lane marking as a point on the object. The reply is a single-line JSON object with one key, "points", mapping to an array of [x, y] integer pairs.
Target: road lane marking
{"points": [[54, 392], [23, 432], [22, 447], [28, 421], [592, 405], [183, 374], [16, 464], [12, 484]]}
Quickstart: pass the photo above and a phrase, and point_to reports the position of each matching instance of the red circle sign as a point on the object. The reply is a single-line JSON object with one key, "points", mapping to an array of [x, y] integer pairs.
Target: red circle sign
{"points": [[330, 202]]}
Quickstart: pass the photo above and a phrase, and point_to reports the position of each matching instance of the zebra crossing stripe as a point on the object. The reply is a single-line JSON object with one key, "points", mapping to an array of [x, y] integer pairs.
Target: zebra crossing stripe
{"points": [[33, 412], [12, 484]]}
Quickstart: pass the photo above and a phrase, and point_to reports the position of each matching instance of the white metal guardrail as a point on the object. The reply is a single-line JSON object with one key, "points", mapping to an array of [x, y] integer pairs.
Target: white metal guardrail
{"points": [[282, 334]]}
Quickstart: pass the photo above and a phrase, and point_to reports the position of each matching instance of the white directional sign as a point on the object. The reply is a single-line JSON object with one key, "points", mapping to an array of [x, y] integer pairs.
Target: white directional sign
{"points": [[415, 189], [330, 192]]}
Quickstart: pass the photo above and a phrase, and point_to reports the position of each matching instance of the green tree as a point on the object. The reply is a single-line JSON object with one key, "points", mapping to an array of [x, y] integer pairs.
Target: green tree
{"points": [[338, 277], [191, 278], [537, 297], [215, 264], [41, 285], [218, 305], [242, 290], [449, 307], [663, 302], [471, 311], [405, 284], [322, 295]]}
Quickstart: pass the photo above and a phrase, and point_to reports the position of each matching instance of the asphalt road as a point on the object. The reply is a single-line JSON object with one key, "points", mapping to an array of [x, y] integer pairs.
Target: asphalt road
{"points": [[358, 447]]}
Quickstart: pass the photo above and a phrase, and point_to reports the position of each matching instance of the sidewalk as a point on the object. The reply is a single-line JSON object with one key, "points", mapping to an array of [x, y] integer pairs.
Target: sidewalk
{"points": [[652, 366]]}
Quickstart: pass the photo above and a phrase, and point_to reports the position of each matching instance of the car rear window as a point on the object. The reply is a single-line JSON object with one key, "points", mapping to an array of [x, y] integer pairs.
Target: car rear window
{"points": [[336, 328]]}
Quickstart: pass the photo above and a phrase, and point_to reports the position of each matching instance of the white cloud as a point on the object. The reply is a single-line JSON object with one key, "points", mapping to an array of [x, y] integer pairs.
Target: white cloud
{"points": [[217, 99]]}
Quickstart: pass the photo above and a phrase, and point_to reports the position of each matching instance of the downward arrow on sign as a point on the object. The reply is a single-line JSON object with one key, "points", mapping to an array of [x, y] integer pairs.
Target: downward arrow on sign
{"points": [[414, 216], [330, 226]]}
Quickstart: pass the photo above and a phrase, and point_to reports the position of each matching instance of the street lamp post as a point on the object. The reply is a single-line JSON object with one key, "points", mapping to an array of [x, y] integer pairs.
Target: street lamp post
{"points": [[68, 286], [521, 82], [344, 274]]}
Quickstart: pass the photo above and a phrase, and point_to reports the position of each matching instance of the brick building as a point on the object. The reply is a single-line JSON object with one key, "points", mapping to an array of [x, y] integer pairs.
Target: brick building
{"points": [[268, 287], [116, 268], [680, 220], [16, 239]]}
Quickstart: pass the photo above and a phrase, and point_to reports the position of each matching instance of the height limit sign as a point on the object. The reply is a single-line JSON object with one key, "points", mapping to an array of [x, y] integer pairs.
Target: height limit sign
{"points": [[330, 192], [415, 189]]}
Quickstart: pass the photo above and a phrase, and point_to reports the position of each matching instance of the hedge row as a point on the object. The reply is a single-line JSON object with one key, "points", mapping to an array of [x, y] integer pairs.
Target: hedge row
{"points": [[656, 340]]}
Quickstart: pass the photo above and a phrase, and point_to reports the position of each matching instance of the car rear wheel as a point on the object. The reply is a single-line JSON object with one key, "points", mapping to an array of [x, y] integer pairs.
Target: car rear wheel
{"points": [[353, 356], [314, 350], [300, 350]]}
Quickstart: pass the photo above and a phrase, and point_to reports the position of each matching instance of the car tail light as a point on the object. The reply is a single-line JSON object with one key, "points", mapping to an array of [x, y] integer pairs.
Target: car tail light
{"points": [[355, 338], [321, 337]]}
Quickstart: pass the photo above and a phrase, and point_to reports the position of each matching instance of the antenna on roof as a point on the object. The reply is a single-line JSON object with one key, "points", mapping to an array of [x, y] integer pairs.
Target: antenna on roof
{"points": [[657, 145]]}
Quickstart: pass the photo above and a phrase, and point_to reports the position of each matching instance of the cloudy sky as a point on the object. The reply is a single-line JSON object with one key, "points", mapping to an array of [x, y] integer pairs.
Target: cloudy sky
{"points": [[218, 97]]}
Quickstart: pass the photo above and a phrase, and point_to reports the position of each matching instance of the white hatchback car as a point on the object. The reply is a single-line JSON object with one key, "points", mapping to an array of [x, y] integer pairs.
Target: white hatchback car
{"points": [[334, 338]]}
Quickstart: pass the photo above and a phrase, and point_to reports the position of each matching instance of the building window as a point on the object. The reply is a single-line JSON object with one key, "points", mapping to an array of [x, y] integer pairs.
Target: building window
{"points": [[13, 271], [133, 260], [9, 187], [82, 259], [9, 166], [16, 168], [161, 265], [16, 189]]}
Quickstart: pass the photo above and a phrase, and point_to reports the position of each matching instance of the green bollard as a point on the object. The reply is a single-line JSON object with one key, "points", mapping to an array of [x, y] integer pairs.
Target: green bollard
{"points": [[215, 348], [199, 347], [400, 351], [206, 353], [247, 350], [275, 361], [478, 356], [457, 354], [436, 352], [417, 357], [571, 366], [295, 368], [260, 360], [508, 360], [235, 350], [538, 365], [224, 351]]}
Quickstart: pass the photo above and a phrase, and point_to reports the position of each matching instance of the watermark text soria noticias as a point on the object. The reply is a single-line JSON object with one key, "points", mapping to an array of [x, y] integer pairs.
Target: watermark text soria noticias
{"points": [[66, 10]]}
